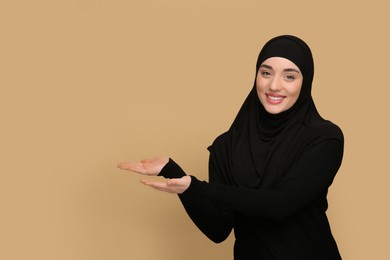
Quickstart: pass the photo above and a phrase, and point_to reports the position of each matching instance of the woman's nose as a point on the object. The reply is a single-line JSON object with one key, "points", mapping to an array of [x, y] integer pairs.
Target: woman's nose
{"points": [[275, 84]]}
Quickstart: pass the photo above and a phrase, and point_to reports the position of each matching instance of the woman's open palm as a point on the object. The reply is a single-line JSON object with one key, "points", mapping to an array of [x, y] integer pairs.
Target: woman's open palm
{"points": [[151, 167]]}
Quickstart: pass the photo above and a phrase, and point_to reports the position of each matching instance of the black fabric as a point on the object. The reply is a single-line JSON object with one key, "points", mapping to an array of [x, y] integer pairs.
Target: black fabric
{"points": [[269, 174]]}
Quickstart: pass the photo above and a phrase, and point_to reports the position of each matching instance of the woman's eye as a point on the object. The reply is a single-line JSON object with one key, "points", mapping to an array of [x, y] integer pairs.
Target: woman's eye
{"points": [[290, 77], [266, 73]]}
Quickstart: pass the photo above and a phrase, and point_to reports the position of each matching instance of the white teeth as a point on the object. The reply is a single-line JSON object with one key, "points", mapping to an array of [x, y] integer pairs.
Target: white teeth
{"points": [[275, 98]]}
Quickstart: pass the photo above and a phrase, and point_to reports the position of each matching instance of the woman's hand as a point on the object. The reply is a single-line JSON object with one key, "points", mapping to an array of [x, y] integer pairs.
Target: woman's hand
{"points": [[151, 167], [177, 186]]}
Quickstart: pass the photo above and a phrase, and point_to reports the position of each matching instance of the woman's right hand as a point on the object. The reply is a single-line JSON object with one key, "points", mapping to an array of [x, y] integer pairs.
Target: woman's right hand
{"points": [[150, 167]]}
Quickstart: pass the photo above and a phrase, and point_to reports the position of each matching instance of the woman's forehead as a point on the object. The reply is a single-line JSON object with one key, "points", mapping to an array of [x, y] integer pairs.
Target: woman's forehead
{"points": [[279, 62]]}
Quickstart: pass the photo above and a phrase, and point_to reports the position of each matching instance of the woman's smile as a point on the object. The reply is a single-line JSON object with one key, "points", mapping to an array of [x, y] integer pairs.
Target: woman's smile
{"points": [[274, 99]]}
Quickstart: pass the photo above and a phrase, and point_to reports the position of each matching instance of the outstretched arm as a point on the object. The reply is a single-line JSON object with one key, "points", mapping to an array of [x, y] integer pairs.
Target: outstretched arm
{"points": [[307, 180], [215, 222]]}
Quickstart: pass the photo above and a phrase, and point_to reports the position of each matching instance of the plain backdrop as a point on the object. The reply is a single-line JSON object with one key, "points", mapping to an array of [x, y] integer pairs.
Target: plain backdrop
{"points": [[89, 83]]}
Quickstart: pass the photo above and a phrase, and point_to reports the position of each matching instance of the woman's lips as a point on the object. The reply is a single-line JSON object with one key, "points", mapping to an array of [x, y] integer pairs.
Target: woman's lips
{"points": [[274, 99]]}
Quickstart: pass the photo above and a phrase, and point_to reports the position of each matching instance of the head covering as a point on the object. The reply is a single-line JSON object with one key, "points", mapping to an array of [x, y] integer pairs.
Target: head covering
{"points": [[259, 147]]}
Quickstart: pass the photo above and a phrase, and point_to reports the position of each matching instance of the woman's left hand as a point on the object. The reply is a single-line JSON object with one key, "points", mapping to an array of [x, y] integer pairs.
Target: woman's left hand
{"points": [[177, 186]]}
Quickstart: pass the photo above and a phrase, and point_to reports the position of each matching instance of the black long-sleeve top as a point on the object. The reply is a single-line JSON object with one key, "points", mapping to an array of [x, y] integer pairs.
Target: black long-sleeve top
{"points": [[285, 221]]}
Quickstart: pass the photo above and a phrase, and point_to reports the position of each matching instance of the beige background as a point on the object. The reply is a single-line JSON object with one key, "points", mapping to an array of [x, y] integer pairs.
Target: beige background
{"points": [[86, 84]]}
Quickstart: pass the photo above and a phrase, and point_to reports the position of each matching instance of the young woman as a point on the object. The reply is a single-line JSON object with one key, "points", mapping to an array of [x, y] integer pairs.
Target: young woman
{"points": [[270, 172]]}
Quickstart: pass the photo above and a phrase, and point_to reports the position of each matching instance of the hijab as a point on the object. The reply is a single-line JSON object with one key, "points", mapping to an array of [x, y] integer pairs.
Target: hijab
{"points": [[260, 147]]}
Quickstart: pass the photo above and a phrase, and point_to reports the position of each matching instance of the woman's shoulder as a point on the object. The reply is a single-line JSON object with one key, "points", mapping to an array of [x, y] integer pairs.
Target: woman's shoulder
{"points": [[325, 130], [219, 141]]}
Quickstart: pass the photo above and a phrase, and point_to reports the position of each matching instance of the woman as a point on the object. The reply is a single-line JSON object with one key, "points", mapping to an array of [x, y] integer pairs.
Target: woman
{"points": [[270, 173]]}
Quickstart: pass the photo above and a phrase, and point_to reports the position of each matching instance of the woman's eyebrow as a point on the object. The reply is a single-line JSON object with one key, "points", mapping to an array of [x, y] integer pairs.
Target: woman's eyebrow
{"points": [[286, 70], [291, 70], [266, 66]]}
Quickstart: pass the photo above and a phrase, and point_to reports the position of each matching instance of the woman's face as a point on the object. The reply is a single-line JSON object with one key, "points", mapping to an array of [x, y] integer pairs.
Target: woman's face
{"points": [[278, 84]]}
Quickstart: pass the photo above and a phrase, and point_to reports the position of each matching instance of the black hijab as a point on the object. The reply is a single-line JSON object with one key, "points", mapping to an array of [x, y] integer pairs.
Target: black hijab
{"points": [[260, 147]]}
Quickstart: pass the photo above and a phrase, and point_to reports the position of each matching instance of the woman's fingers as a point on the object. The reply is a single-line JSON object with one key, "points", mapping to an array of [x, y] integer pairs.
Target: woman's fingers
{"points": [[139, 167], [125, 166], [150, 167], [162, 186], [132, 166], [177, 186]]}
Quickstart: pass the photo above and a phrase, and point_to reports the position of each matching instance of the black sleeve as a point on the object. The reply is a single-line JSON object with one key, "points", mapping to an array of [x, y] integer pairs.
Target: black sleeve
{"points": [[308, 179], [215, 222]]}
